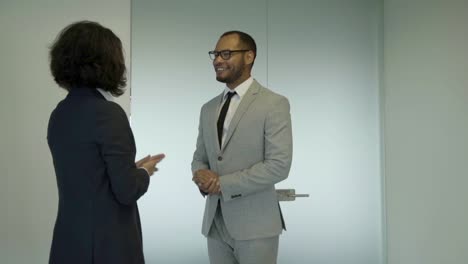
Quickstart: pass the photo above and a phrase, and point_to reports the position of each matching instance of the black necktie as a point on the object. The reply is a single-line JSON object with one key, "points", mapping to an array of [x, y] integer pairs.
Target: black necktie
{"points": [[222, 116]]}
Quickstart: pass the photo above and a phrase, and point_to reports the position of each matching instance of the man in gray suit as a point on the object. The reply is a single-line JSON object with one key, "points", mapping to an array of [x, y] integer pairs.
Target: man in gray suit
{"points": [[244, 148]]}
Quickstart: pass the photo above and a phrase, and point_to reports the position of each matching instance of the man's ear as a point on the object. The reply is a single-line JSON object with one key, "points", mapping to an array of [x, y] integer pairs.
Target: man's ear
{"points": [[249, 57]]}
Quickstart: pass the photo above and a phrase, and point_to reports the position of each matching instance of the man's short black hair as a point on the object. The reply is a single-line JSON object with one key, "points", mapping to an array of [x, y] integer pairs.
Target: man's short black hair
{"points": [[245, 39]]}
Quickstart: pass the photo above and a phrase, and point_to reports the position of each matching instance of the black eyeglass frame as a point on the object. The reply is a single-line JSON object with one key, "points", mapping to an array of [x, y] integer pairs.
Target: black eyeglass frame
{"points": [[225, 54]]}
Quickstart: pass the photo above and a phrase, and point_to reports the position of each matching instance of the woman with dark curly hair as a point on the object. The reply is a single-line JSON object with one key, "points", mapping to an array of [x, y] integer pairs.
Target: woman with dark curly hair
{"points": [[93, 151]]}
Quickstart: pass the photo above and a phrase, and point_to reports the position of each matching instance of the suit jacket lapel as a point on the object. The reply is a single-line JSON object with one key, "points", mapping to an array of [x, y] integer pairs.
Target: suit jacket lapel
{"points": [[213, 119], [248, 98]]}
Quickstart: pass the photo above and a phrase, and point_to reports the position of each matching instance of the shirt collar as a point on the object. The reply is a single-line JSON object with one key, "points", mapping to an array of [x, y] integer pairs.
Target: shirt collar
{"points": [[241, 89], [106, 94]]}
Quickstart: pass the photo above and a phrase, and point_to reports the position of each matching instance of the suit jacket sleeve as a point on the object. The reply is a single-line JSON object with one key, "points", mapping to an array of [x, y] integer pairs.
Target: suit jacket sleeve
{"points": [[200, 158], [118, 150], [277, 157]]}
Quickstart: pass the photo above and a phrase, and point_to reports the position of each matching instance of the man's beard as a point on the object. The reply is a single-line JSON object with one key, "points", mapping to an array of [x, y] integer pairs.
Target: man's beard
{"points": [[230, 78]]}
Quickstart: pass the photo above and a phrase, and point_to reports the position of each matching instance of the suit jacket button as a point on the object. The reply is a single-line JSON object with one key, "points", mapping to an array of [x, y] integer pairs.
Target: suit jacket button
{"points": [[220, 158]]}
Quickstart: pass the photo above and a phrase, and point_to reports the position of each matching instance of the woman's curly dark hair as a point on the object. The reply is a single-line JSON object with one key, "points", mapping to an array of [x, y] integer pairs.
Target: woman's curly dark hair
{"points": [[86, 54]]}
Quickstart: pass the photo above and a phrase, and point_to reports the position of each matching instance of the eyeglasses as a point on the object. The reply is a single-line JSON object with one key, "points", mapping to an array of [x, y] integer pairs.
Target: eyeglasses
{"points": [[225, 54]]}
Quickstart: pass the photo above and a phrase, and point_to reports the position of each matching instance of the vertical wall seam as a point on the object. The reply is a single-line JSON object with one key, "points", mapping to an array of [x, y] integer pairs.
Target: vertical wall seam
{"points": [[267, 42], [381, 65]]}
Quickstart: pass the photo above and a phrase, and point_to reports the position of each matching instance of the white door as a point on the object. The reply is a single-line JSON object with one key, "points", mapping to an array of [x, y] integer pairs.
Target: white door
{"points": [[324, 56]]}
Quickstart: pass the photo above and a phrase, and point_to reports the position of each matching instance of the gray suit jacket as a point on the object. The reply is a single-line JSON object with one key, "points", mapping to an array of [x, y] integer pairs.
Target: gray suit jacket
{"points": [[256, 155]]}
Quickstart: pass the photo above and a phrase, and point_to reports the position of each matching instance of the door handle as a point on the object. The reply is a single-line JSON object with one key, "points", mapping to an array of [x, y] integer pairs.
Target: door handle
{"points": [[286, 195]]}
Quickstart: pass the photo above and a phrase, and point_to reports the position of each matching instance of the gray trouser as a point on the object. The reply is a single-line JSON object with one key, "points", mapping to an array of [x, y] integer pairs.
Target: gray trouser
{"points": [[223, 249]]}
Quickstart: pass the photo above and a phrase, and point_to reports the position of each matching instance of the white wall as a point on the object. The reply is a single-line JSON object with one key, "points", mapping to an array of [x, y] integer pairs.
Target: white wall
{"points": [[28, 194], [426, 131], [425, 128]]}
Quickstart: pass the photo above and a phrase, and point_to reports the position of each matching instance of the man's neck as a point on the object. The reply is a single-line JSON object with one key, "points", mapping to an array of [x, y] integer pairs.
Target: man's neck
{"points": [[233, 85]]}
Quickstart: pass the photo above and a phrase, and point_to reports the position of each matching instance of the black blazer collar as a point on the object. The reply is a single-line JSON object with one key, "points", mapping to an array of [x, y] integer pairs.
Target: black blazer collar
{"points": [[85, 91]]}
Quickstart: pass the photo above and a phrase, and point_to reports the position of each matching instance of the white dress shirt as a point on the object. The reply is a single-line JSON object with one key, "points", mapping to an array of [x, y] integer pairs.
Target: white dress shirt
{"points": [[106, 94], [240, 90]]}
